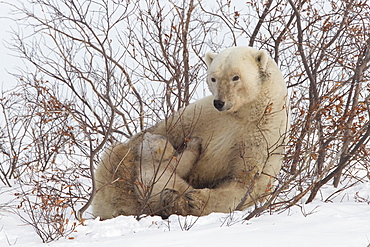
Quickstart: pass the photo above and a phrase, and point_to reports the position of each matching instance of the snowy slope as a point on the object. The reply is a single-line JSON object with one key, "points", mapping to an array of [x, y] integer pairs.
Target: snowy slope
{"points": [[344, 222]]}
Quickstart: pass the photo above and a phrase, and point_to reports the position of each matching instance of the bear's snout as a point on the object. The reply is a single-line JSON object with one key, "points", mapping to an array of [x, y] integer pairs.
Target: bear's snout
{"points": [[218, 104]]}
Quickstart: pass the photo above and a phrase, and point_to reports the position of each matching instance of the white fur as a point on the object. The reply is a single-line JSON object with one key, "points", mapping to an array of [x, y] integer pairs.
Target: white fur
{"points": [[242, 146], [131, 177], [242, 141]]}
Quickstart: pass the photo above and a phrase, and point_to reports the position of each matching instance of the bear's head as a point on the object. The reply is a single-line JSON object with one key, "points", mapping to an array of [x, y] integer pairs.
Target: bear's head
{"points": [[155, 147], [235, 76]]}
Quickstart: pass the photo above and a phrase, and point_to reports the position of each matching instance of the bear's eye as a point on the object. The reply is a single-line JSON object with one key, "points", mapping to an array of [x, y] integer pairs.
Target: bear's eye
{"points": [[213, 79], [236, 78]]}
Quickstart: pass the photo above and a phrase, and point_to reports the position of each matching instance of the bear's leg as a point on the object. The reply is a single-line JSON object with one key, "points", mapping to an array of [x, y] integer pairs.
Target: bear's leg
{"points": [[164, 194], [173, 200], [229, 196], [187, 159], [223, 199]]}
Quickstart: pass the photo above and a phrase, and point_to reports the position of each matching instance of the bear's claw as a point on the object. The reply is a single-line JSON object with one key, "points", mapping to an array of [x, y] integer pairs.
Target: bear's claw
{"points": [[173, 203], [197, 200]]}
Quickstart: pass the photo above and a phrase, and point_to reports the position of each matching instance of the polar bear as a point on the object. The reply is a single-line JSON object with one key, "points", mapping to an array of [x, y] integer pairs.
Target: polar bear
{"points": [[243, 126], [144, 176], [113, 192]]}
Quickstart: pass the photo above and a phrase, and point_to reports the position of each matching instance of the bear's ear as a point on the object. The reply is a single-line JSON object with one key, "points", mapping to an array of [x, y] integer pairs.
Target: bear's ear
{"points": [[262, 58], [209, 58]]}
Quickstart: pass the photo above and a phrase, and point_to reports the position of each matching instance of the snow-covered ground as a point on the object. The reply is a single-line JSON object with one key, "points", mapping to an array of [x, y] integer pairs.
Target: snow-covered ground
{"points": [[343, 222]]}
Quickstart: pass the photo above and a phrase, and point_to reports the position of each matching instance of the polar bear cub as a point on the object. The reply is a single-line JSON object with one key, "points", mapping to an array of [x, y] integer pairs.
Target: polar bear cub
{"points": [[161, 172]]}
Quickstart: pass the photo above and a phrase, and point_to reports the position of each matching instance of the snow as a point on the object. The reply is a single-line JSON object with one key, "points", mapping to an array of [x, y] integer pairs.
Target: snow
{"points": [[343, 222]]}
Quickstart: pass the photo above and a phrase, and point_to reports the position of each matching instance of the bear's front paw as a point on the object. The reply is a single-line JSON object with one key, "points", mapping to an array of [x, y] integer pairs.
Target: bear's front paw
{"points": [[198, 200], [173, 203]]}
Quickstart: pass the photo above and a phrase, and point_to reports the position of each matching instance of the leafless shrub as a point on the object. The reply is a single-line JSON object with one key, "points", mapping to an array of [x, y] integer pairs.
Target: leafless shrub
{"points": [[48, 205], [99, 72]]}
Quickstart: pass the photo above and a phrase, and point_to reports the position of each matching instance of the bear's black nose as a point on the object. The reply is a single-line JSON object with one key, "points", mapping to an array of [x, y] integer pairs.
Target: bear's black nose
{"points": [[218, 104]]}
